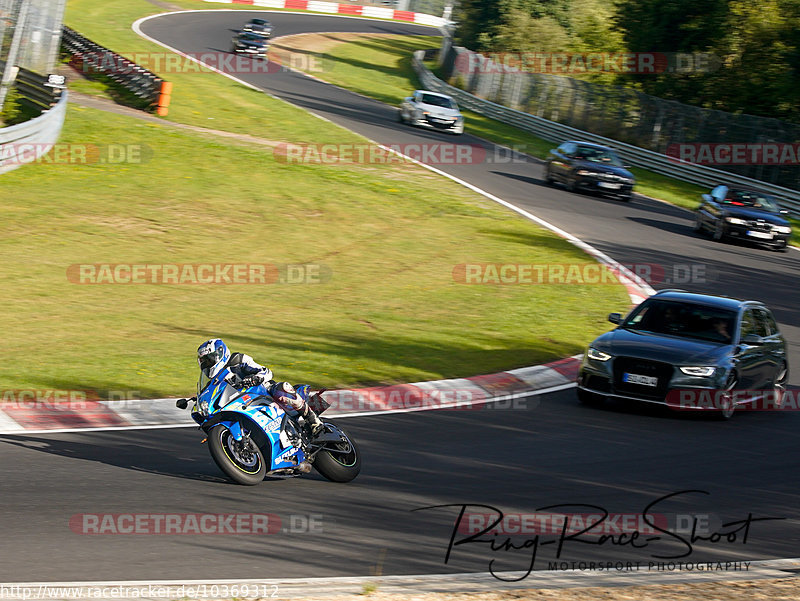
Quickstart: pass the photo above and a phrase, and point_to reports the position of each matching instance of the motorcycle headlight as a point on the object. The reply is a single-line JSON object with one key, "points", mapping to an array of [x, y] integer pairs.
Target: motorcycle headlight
{"points": [[202, 406], [700, 372], [597, 355], [736, 220]]}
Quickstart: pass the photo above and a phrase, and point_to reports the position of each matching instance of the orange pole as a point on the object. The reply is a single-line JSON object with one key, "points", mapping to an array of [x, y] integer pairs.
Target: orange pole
{"points": [[164, 98]]}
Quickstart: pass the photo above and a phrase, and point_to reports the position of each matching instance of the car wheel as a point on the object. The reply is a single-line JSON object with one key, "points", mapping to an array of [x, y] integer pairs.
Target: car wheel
{"points": [[548, 177], [719, 231], [625, 198], [589, 398], [781, 247], [726, 404], [779, 385], [400, 116], [571, 185], [698, 223]]}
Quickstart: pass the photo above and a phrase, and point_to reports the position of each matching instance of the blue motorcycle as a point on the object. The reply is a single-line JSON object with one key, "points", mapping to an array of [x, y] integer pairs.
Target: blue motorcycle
{"points": [[251, 436]]}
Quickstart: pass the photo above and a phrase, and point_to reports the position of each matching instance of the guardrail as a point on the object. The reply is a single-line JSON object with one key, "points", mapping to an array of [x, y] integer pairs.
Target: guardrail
{"points": [[639, 157], [26, 142], [91, 58], [33, 89]]}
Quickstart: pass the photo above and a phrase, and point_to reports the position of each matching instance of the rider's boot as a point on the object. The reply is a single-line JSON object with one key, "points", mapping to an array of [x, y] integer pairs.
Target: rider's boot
{"points": [[313, 420]]}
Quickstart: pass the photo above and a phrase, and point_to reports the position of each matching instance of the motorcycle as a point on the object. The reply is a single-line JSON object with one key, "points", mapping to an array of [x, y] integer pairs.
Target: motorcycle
{"points": [[250, 435]]}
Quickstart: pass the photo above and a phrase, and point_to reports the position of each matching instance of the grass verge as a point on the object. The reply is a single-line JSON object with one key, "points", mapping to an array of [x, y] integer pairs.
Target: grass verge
{"points": [[388, 236]]}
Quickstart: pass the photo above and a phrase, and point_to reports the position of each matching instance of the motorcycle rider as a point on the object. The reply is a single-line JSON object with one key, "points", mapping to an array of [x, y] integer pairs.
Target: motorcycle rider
{"points": [[213, 356]]}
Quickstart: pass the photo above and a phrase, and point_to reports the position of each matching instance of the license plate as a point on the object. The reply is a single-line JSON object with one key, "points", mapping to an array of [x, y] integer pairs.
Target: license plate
{"points": [[762, 235], [639, 379], [609, 185]]}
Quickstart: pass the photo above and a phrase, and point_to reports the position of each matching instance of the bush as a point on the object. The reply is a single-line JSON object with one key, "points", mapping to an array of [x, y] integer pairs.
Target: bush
{"points": [[13, 111]]}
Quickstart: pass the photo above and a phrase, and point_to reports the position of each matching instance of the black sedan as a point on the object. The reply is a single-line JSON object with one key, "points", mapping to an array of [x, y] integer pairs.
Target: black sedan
{"points": [[251, 44], [743, 214], [588, 166], [261, 27], [689, 351]]}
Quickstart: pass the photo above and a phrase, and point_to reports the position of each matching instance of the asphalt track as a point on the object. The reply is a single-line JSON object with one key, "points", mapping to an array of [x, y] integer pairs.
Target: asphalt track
{"points": [[546, 451]]}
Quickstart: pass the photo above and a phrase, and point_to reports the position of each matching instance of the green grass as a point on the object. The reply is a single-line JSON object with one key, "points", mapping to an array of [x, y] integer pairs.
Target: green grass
{"points": [[389, 234], [205, 99]]}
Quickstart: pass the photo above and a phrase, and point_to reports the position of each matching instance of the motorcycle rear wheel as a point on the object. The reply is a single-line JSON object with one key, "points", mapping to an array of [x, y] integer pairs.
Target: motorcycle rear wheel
{"points": [[241, 462]]}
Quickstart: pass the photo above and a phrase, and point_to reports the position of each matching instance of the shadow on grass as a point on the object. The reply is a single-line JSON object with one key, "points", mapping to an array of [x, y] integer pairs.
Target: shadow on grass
{"points": [[436, 358]]}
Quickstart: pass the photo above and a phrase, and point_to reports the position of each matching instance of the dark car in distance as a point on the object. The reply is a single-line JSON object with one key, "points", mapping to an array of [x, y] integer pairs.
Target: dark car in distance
{"points": [[743, 214], [589, 166], [689, 351], [261, 27], [251, 44]]}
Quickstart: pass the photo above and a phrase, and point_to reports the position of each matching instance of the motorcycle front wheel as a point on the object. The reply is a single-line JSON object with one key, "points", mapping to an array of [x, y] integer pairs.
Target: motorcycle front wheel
{"points": [[242, 461], [341, 461]]}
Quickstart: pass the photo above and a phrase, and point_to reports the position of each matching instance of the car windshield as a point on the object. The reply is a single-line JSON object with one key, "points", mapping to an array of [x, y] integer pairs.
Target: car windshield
{"points": [[746, 198], [593, 154], [684, 320], [439, 101], [253, 38]]}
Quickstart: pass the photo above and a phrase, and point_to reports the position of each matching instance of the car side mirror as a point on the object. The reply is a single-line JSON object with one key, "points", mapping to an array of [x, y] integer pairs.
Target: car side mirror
{"points": [[615, 318], [753, 340]]}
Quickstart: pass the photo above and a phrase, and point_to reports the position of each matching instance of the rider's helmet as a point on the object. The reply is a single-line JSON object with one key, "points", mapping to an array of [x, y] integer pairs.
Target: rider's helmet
{"points": [[212, 356]]}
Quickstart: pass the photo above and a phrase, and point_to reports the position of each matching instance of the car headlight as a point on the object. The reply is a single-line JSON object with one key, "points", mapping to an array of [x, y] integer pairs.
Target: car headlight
{"points": [[585, 172], [782, 229], [736, 220], [597, 355], [700, 372]]}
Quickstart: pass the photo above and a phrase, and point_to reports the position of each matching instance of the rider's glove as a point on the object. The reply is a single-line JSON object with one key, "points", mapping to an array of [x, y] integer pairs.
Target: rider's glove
{"points": [[251, 381]]}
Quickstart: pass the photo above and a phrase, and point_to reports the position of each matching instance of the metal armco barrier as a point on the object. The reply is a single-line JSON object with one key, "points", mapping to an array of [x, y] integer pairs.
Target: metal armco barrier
{"points": [[639, 157], [24, 143], [32, 88], [93, 58]]}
